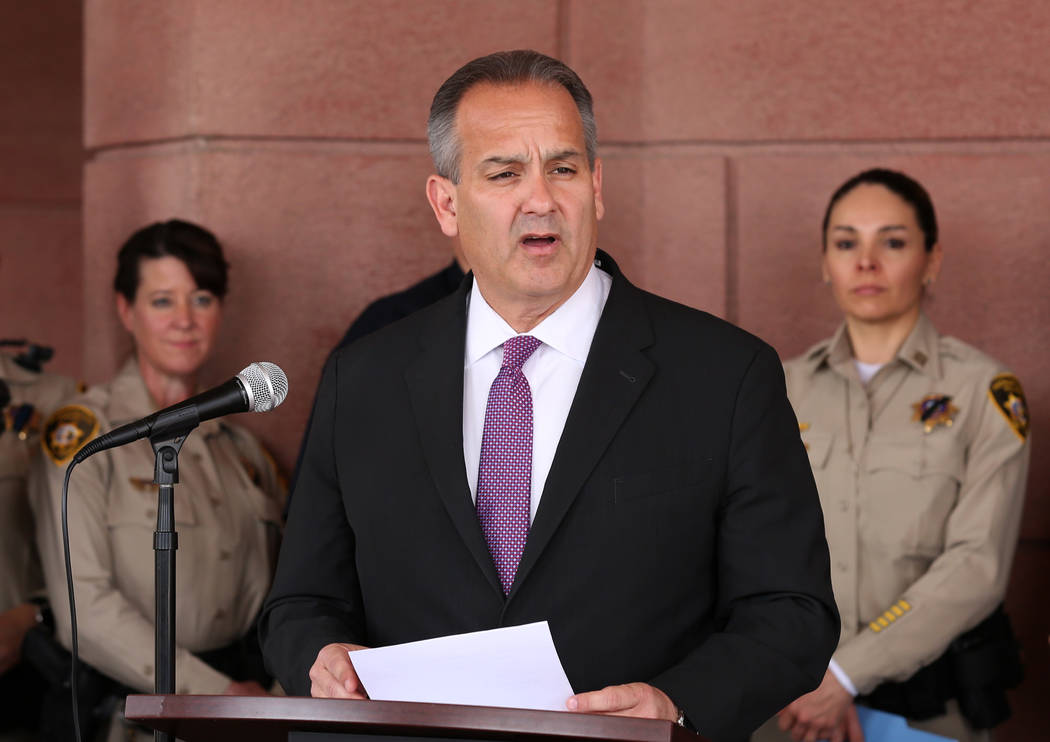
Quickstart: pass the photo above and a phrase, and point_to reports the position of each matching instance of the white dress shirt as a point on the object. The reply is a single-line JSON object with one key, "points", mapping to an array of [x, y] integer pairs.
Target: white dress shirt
{"points": [[553, 372]]}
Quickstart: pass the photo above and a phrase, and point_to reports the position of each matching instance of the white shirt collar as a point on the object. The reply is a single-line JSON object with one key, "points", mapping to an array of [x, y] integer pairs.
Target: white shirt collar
{"points": [[569, 329]]}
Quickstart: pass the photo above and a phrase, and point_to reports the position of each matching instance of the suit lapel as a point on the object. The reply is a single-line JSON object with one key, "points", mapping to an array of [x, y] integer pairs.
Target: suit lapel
{"points": [[614, 377], [435, 384]]}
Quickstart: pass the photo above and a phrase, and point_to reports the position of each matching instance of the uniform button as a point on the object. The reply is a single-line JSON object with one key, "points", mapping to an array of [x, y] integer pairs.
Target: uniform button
{"points": [[147, 670], [841, 566], [844, 505], [220, 614], [151, 513], [224, 555]]}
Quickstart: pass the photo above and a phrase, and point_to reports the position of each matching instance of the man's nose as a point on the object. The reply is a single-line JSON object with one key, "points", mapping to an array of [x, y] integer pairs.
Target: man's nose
{"points": [[538, 197]]}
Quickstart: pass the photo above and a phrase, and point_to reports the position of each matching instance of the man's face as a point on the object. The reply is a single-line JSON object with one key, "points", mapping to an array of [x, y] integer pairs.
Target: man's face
{"points": [[527, 206]]}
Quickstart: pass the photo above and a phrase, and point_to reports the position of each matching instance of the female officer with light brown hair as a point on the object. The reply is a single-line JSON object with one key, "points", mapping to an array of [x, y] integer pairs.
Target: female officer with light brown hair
{"points": [[918, 444], [170, 282]]}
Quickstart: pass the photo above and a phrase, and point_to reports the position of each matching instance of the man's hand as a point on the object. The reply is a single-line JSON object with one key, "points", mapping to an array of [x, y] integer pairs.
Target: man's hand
{"points": [[332, 674], [826, 713], [245, 688], [14, 624], [634, 699]]}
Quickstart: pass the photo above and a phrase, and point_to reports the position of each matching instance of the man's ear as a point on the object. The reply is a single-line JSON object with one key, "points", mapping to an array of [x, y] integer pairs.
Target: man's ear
{"points": [[596, 181], [441, 193]]}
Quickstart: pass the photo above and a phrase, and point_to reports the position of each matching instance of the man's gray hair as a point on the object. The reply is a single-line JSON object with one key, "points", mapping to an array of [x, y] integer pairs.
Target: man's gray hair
{"points": [[501, 68]]}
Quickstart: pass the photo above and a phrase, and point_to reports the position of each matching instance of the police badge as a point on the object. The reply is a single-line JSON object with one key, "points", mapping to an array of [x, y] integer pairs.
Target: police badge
{"points": [[934, 410], [66, 431]]}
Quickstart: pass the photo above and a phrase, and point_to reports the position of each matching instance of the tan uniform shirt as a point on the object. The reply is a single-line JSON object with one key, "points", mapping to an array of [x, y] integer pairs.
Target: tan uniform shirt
{"points": [[33, 397], [227, 512], [921, 516]]}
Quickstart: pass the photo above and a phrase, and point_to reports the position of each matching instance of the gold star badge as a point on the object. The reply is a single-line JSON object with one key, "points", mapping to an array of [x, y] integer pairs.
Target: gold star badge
{"points": [[934, 410]]}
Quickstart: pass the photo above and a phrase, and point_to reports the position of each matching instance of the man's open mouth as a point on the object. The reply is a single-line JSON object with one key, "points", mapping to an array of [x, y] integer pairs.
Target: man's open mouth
{"points": [[539, 240]]}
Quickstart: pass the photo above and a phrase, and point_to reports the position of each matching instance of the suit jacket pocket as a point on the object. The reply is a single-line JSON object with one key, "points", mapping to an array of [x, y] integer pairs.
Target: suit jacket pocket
{"points": [[659, 482]]}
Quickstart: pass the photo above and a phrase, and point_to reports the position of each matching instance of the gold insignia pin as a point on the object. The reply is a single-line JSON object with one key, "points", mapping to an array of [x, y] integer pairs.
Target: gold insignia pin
{"points": [[142, 484], [1008, 396], [934, 410]]}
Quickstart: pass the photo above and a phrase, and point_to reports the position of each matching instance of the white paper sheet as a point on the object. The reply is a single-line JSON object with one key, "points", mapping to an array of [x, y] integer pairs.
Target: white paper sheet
{"points": [[516, 667]]}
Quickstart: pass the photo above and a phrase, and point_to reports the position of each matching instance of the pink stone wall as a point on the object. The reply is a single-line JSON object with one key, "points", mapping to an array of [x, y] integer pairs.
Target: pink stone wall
{"points": [[40, 163], [295, 132]]}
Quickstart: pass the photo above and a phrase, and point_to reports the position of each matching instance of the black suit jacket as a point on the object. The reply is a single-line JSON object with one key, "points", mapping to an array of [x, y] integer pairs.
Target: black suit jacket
{"points": [[678, 541]]}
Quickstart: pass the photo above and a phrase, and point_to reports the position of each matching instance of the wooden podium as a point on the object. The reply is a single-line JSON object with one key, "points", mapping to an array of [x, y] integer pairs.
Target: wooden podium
{"points": [[276, 719]]}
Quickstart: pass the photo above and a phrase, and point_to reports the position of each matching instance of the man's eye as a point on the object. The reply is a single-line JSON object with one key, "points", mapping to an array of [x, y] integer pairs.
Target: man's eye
{"points": [[502, 176], [896, 243], [161, 302], [203, 300], [563, 170], [844, 244]]}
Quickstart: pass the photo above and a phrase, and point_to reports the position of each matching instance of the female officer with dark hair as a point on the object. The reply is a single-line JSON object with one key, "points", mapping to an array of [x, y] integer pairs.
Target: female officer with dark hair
{"points": [[918, 444], [170, 283]]}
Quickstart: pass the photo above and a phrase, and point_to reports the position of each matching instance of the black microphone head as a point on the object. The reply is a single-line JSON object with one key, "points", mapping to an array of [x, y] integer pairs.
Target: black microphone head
{"points": [[265, 384]]}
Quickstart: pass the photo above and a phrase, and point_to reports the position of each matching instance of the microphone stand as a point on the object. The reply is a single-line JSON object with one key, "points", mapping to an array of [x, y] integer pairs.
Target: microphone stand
{"points": [[166, 447]]}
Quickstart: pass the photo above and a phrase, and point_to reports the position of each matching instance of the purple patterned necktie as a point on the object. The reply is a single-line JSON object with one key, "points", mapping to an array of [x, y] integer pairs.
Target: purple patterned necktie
{"points": [[505, 470]]}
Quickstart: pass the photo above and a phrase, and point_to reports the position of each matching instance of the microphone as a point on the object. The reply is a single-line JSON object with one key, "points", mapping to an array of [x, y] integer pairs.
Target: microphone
{"points": [[258, 388]]}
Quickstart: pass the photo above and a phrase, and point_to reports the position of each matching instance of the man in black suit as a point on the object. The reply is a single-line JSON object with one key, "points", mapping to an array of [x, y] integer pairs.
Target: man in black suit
{"points": [[674, 537]]}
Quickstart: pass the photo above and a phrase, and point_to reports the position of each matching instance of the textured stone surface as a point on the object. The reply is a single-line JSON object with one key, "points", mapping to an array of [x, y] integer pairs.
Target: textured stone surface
{"points": [[269, 68], [665, 223], [40, 280], [821, 70], [40, 97], [40, 161]]}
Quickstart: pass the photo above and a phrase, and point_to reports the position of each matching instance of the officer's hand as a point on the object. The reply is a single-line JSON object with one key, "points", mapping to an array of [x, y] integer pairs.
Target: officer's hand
{"points": [[634, 699], [821, 714], [245, 688], [14, 624], [332, 674]]}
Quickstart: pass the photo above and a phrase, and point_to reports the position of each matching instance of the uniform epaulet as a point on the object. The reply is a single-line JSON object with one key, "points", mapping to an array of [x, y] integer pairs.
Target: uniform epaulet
{"points": [[1006, 394], [960, 350], [817, 350], [66, 432]]}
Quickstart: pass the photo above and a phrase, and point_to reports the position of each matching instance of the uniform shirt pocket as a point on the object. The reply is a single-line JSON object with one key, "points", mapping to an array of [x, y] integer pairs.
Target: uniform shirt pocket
{"points": [[134, 503], [907, 494], [944, 456]]}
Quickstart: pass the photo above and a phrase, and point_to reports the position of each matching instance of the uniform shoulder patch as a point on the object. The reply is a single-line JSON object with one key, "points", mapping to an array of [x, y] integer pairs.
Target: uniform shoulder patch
{"points": [[66, 432], [1008, 397]]}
